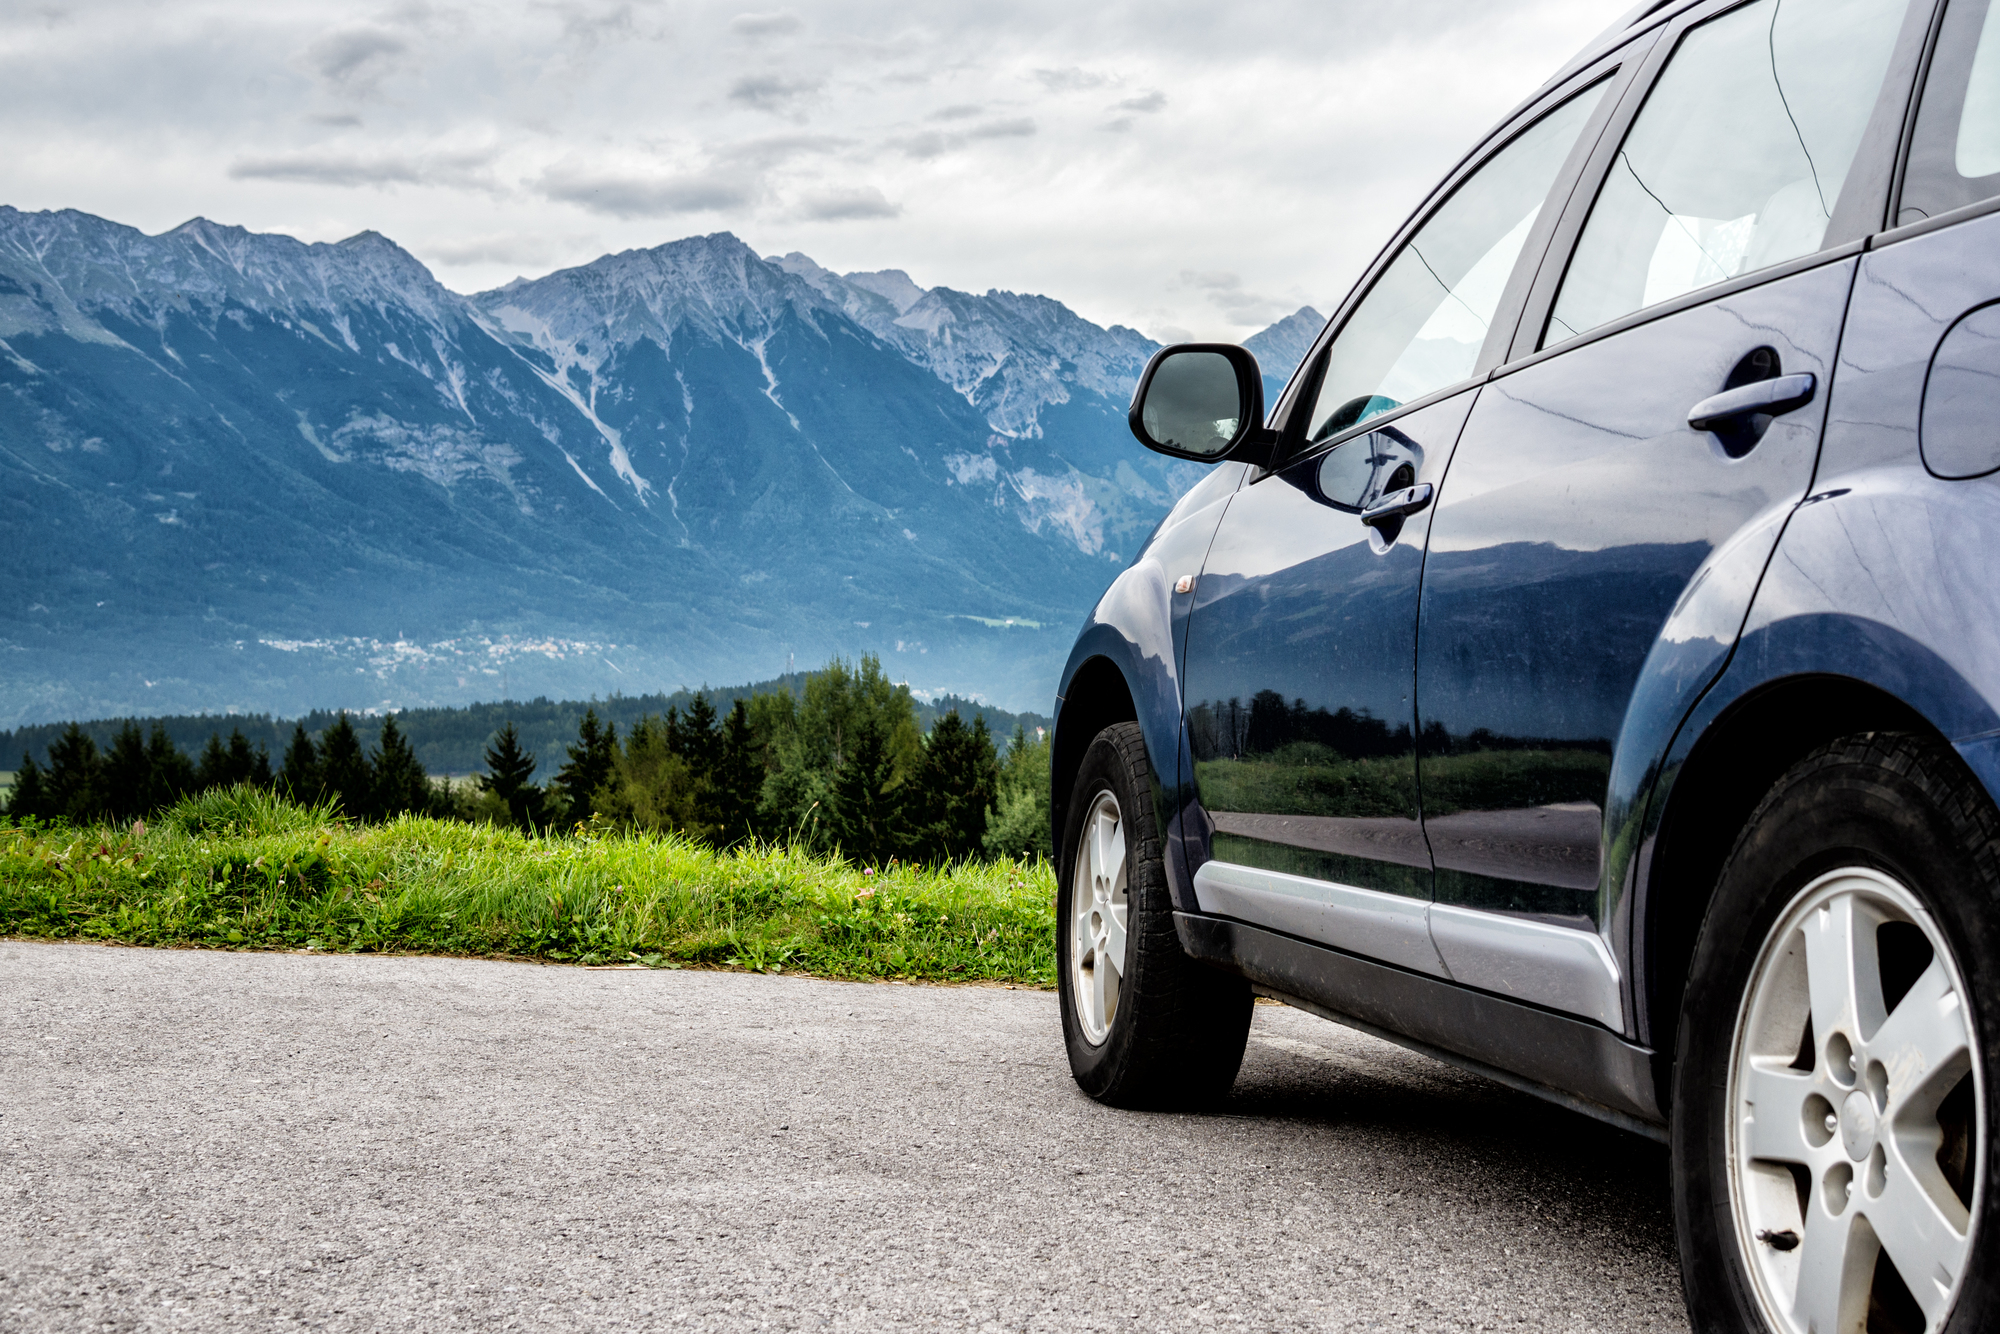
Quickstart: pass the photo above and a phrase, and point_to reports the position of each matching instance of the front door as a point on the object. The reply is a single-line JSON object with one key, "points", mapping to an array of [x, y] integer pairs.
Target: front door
{"points": [[1586, 527], [1302, 638]]}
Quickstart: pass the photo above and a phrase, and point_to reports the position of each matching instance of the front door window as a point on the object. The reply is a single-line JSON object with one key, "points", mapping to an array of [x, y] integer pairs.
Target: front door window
{"points": [[1423, 324]]}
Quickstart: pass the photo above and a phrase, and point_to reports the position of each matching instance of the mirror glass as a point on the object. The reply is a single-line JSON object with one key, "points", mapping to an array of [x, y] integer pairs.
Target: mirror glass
{"points": [[1193, 404]]}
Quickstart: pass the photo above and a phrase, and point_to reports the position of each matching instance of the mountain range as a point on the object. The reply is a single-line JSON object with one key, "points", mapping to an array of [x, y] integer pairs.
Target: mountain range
{"points": [[245, 472]]}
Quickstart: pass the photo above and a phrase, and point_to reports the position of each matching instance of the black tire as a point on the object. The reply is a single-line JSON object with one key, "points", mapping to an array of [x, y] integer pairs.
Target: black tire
{"points": [[1176, 1036], [1906, 809]]}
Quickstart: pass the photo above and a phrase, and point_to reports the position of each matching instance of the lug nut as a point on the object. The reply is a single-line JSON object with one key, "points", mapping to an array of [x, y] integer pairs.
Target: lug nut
{"points": [[1832, 1123]]}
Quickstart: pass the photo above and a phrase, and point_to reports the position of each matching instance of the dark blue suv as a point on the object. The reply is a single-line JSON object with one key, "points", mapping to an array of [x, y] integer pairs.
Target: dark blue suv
{"points": [[1588, 672]]}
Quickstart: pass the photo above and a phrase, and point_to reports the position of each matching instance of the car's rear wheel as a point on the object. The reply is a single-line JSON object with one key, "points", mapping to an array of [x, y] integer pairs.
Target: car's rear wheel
{"points": [[1832, 1147], [1145, 1025]]}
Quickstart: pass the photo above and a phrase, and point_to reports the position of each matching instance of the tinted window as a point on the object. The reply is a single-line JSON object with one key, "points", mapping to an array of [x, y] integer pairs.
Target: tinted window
{"points": [[1737, 159], [1421, 326], [1955, 156]]}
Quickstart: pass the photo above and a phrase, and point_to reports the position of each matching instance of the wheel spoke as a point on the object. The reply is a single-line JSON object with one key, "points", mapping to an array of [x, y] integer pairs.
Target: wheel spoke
{"points": [[1923, 1239], [1114, 934], [1100, 989], [1836, 1268], [1772, 1112], [1085, 941], [1114, 859], [1841, 969], [1925, 1035]]}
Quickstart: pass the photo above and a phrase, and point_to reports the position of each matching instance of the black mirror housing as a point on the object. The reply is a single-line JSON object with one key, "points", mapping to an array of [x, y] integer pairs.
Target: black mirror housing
{"points": [[1203, 402]]}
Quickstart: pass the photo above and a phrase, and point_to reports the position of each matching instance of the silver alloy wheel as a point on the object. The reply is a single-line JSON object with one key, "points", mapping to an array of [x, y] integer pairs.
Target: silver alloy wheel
{"points": [[1098, 907], [1856, 1121]]}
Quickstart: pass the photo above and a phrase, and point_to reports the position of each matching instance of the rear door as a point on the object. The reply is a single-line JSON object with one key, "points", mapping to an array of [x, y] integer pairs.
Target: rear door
{"points": [[1302, 638], [1582, 513]]}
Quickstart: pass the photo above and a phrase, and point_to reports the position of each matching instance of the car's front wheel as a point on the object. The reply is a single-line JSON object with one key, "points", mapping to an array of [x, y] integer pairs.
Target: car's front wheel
{"points": [[1831, 1134], [1146, 1026]]}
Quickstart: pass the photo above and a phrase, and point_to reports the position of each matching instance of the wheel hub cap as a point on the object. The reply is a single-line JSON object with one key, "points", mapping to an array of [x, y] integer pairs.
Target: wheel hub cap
{"points": [[1099, 892], [1857, 1125], [1856, 1135]]}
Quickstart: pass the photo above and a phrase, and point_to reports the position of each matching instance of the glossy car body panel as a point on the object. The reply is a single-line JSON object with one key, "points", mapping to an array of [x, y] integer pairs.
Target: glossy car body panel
{"points": [[1301, 643], [1591, 561], [1747, 609]]}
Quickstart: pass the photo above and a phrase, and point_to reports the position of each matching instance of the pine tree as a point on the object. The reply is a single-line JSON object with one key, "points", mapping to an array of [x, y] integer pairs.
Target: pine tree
{"points": [[509, 769], [128, 772], [212, 770], [589, 767], [260, 766], [959, 780], [400, 781], [698, 742], [169, 773], [75, 778], [245, 765], [29, 797], [738, 781], [343, 770], [300, 777], [867, 816]]}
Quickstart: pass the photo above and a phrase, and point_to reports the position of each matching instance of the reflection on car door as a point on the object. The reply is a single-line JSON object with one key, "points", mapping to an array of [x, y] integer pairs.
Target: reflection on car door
{"points": [[1580, 506], [1301, 641]]}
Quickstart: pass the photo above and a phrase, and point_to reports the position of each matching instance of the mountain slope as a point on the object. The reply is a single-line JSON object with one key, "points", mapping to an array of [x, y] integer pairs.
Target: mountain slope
{"points": [[242, 471]]}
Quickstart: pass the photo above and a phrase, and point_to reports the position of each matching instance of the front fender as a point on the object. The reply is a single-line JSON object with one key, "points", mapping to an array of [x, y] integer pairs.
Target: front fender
{"points": [[1137, 632]]}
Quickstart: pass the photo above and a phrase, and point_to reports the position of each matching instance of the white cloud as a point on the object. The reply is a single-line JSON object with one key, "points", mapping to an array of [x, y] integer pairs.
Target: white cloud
{"points": [[967, 143]]}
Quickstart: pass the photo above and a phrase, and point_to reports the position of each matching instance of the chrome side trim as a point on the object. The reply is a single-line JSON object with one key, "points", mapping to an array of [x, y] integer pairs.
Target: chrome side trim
{"points": [[1367, 922], [1561, 967]]}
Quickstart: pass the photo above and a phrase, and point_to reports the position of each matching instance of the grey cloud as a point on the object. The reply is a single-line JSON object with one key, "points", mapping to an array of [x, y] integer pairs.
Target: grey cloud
{"points": [[1225, 292], [501, 249], [588, 27], [355, 58], [1070, 80], [770, 92], [927, 145], [1119, 126], [841, 205], [963, 111], [1002, 129], [935, 143], [1145, 102], [766, 25], [340, 169], [772, 149], [626, 194], [341, 120]]}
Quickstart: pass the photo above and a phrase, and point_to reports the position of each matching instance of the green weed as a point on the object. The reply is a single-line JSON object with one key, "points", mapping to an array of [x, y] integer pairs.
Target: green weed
{"points": [[249, 871]]}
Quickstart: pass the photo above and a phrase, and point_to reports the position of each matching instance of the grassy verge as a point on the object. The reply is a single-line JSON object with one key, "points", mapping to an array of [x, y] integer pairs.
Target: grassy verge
{"points": [[243, 870]]}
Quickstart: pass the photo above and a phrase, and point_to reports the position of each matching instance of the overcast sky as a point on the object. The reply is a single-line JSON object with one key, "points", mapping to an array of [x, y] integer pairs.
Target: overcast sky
{"points": [[1191, 169]]}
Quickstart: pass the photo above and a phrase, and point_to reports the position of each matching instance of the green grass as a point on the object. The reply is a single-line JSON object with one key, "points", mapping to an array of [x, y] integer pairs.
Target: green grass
{"points": [[244, 870]]}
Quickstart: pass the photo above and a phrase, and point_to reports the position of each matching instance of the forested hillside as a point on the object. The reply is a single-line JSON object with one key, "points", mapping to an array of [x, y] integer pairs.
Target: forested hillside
{"points": [[453, 740]]}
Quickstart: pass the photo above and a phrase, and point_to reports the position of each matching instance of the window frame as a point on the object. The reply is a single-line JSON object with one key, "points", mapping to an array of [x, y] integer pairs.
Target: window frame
{"points": [[1615, 69], [1860, 213], [1906, 150]]}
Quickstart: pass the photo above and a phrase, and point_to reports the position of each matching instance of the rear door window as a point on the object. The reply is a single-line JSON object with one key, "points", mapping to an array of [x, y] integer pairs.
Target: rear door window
{"points": [[1421, 327], [1955, 153], [1737, 159]]}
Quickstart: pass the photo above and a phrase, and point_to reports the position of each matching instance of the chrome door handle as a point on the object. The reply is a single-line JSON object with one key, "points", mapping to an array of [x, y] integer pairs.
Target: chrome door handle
{"points": [[1773, 398], [1397, 505]]}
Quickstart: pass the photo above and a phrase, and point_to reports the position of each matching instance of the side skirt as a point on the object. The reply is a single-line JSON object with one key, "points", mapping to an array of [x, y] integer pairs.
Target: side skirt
{"points": [[1569, 1062]]}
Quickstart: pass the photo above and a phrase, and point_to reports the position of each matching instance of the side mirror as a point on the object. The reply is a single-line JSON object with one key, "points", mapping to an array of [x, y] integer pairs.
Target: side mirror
{"points": [[1202, 401]]}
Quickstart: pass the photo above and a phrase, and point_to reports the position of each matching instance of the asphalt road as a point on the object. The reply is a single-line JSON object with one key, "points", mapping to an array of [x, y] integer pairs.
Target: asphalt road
{"points": [[205, 1141]]}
